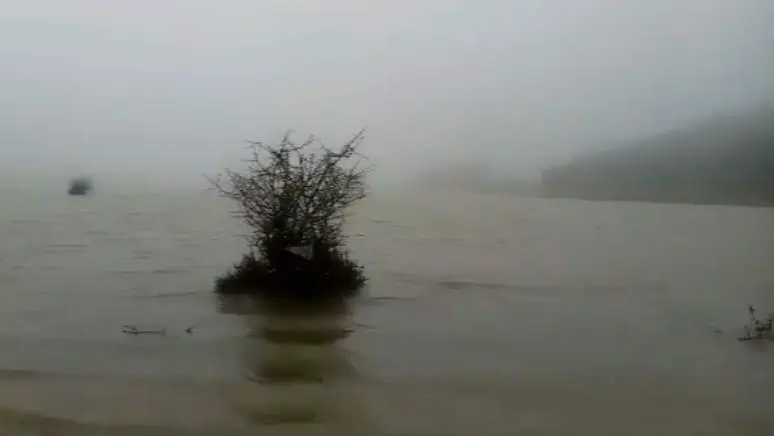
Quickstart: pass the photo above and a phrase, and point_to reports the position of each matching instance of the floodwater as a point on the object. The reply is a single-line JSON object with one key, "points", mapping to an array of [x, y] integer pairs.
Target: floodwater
{"points": [[485, 315]]}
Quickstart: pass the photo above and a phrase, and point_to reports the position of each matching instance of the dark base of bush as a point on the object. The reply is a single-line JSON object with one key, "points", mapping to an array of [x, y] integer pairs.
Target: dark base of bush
{"points": [[333, 275]]}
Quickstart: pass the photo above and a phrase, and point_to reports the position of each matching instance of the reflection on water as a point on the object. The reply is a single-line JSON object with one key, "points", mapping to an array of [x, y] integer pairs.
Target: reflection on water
{"points": [[294, 358]]}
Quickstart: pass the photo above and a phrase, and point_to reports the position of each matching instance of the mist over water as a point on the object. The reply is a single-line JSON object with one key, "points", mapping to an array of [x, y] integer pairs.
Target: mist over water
{"points": [[130, 93]]}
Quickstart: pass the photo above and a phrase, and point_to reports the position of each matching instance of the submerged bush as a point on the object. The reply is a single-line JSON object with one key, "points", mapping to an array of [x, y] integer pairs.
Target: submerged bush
{"points": [[80, 186], [758, 329], [294, 197]]}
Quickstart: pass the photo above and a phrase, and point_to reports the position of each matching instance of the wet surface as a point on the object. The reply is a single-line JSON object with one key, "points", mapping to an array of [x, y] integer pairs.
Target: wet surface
{"points": [[483, 316]]}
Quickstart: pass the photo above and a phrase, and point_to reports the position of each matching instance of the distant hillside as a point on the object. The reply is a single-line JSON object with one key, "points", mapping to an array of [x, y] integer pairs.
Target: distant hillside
{"points": [[726, 160]]}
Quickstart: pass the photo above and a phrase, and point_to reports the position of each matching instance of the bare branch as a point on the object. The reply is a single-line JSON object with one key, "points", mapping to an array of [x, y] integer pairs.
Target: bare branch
{"points": [[296, 191]]}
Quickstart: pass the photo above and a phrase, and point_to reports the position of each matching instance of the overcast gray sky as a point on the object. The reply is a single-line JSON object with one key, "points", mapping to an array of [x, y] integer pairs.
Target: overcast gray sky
{"points": [[172, 88]]}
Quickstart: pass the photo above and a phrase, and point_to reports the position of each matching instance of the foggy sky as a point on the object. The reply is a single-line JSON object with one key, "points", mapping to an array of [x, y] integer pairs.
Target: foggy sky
{"points": [[171, 89]]}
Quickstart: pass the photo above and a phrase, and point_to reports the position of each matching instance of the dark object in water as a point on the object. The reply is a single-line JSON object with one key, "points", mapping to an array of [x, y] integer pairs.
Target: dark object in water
{"points": [[760, 329], [133, 330], [326, 273], [80, 186], [295, 201]]}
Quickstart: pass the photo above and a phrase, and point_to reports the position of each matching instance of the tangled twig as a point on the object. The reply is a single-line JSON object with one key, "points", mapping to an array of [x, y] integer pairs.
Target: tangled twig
{"points": [[757, 329]]}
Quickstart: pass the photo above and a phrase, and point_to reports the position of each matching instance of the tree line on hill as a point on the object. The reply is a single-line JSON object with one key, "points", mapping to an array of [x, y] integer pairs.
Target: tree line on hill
{"points": [[725, 160]]}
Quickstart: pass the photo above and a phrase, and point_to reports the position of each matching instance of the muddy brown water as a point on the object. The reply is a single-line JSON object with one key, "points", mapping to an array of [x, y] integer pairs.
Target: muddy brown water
{"points": [[484, 315]]}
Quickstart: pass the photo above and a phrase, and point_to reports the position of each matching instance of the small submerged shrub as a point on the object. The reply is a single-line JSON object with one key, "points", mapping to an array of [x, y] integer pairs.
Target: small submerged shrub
{"points": [[333, 273], [80, 186], [294, 197], [758, 329]]}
